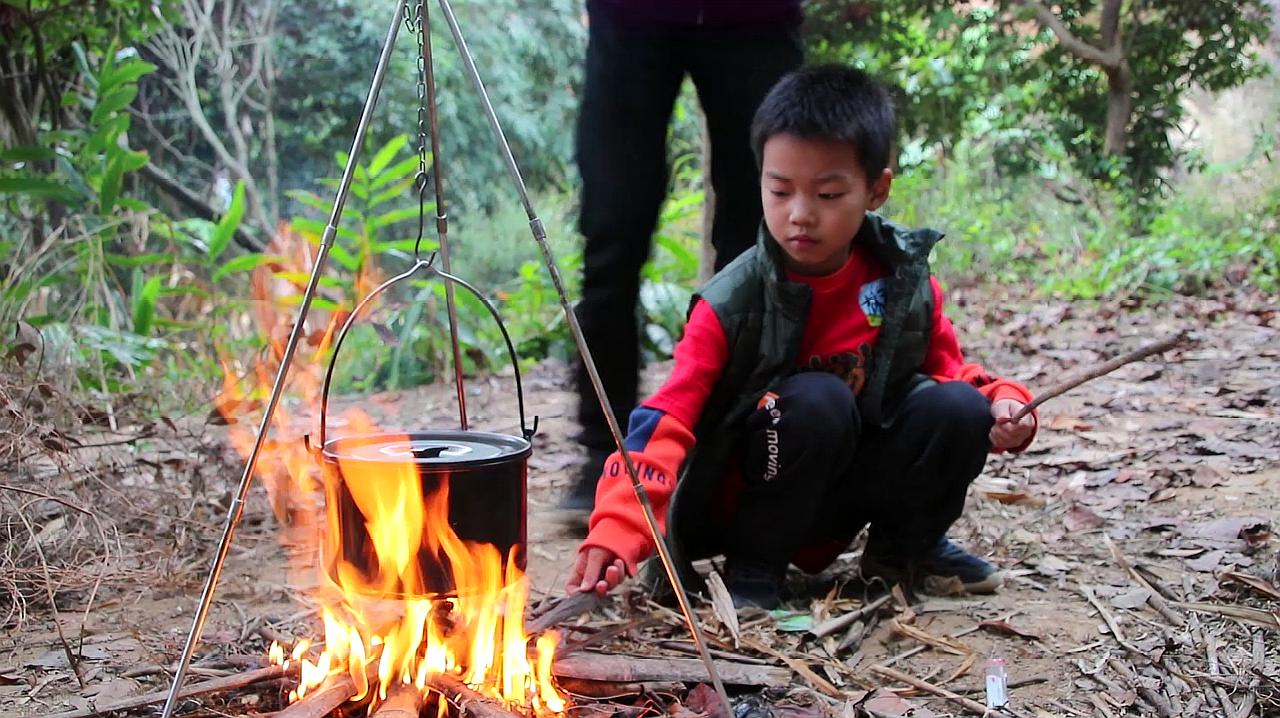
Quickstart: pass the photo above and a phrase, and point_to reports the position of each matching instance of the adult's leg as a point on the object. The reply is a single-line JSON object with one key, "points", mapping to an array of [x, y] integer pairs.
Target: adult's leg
{"points": [[632, 78], [913, 476], [732, 72], [796, 445]]}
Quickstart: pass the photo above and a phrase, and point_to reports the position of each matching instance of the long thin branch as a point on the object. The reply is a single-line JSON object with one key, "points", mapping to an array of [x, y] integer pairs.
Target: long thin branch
{"points": [[1105, 368], [1107, 58]]}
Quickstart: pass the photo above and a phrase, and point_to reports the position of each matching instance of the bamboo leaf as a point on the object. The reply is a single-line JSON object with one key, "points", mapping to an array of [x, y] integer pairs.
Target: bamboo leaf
{"points": [[144, 306], [38, 188], [386, 154], [109, 187], [229, 222], [309, 199], [28, 153], [390, 218], [244, 263], [128, 72], [397, 190], [401, 170], [113, 102]]}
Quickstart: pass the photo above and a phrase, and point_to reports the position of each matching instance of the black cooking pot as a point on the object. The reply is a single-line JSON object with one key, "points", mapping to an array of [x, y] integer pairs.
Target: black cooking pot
{"points": [[484, 473]]}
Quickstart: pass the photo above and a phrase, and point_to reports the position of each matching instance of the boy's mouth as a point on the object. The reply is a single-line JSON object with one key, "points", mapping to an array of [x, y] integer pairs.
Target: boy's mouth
{"points": [[802, 240]]}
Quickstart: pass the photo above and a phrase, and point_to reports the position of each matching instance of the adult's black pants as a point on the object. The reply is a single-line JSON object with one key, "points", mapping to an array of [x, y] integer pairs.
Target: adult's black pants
{"points": [[633, 75]]}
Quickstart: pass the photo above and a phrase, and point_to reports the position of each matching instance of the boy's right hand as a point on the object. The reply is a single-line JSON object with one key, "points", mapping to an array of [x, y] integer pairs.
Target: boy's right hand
{"points": [[597, 569]]}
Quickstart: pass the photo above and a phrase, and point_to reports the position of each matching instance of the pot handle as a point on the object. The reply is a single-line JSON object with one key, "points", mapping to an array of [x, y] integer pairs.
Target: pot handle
{"points": [[427, 265]]}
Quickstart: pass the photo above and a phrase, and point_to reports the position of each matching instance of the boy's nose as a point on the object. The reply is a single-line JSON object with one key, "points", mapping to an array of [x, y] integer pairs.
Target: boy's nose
{"points": [[801, 214]]}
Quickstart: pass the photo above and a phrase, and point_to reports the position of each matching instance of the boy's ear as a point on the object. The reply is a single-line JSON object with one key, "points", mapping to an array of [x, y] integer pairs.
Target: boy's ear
{"points": [[880, 189]]}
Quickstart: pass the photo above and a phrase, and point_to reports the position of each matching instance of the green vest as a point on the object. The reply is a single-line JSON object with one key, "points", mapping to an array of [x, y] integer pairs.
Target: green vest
{"points": [[763, 316]]}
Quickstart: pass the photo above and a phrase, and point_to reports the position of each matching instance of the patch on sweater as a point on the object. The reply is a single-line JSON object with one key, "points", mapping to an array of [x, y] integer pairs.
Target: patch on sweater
{"points": [[871, 300]]}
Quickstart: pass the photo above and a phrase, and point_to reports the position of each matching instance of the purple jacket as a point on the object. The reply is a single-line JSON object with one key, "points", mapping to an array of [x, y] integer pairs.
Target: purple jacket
{"points": [[719, 14]]}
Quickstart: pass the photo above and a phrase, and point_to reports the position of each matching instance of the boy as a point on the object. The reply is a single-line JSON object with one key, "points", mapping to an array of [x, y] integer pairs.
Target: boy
{"points": [[818, 387]]}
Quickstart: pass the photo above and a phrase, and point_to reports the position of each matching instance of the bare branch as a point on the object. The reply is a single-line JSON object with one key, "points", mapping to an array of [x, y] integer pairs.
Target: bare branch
{"points": [[1109, 58]]}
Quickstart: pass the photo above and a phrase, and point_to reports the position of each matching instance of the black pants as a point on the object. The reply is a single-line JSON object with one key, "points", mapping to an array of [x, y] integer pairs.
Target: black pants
{"points": [[813, 473], [633, 75]]}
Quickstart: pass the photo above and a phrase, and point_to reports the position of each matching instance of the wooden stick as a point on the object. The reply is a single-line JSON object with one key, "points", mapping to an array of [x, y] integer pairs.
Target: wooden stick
{"points": [[1110, 620], [921, 649], [800, 667], [1245, 614], [634, 669], [1156, 600], [927, 687], [470, 703], [608, 690], [565, 609], [1158, 701], [687, 648], [838, 623], [226, 683], [321, 702], [402, 702], [1105, 368]]}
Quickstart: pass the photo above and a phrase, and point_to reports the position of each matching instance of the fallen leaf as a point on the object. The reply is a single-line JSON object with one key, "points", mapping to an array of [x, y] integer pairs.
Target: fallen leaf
{"points": [[110, 690], [1257, 583], [1003, 627], [1069, 423], [1228, 530], [886, 704], [1050, 565], [1208, 563], [1080, 518], [1206, 476], [722, 603], [1133, 599], [1239, 449], [703, 698]]}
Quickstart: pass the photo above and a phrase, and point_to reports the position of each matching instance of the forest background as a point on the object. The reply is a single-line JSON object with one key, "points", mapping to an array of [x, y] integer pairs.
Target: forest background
{"points": [[166, 163]]}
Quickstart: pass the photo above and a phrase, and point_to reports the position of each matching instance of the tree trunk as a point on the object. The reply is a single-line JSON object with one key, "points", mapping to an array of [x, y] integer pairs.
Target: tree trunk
{"points": [[1119, 109]]}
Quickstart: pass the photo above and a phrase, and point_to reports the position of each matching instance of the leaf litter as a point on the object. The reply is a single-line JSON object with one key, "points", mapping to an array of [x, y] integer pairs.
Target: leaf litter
{"points": [[1167, 463]]}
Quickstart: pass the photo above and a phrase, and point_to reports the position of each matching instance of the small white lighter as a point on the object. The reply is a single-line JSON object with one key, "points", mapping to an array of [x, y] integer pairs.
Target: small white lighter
{"points": [[997, 688]]}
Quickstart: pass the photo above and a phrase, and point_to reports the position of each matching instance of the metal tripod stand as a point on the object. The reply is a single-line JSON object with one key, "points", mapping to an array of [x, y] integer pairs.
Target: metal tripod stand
{"points": [[236, 511]]}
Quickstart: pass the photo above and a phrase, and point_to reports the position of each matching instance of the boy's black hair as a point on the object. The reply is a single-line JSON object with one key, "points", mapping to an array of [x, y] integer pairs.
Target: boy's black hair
{"points": [[831, 101]]}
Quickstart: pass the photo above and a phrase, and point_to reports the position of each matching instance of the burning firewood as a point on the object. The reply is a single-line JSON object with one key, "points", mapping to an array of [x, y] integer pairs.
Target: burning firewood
{"points": [[322, 702], [470, 703], [402, 702]]}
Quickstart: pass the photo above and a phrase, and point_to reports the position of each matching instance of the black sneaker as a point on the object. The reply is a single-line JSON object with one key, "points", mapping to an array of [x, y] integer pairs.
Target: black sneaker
{"points": [[940, 569], [753, 585]]}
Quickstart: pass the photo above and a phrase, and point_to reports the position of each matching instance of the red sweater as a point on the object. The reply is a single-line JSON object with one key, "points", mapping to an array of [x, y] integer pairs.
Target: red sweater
{"points": [[844, 319]]}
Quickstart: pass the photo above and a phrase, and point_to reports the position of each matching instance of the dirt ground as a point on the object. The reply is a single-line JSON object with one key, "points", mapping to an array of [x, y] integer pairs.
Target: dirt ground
{"points": [[1171, 466]]}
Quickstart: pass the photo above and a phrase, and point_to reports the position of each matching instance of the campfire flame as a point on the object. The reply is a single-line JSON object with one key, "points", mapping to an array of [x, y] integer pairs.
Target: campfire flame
{"points": [[382, 626]]}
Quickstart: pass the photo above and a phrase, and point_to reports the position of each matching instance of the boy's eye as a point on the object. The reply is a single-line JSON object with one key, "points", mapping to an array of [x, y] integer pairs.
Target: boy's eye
{"points": [[778, 193], [830, 195]]}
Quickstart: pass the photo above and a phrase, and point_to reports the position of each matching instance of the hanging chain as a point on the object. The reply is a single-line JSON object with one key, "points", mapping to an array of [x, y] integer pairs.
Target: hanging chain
{"points": [[413, 23]]}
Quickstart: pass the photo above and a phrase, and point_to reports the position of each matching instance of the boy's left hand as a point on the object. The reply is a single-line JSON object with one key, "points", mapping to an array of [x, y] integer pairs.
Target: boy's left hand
{"points": [[1007, 434]]}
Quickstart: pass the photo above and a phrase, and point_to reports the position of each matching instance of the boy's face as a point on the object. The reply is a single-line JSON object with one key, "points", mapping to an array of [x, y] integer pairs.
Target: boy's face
{"points": [[815, 195]]}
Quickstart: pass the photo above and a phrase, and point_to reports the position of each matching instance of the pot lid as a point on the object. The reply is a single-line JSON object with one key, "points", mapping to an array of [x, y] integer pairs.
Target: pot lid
{"points": [[442, 448]]}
